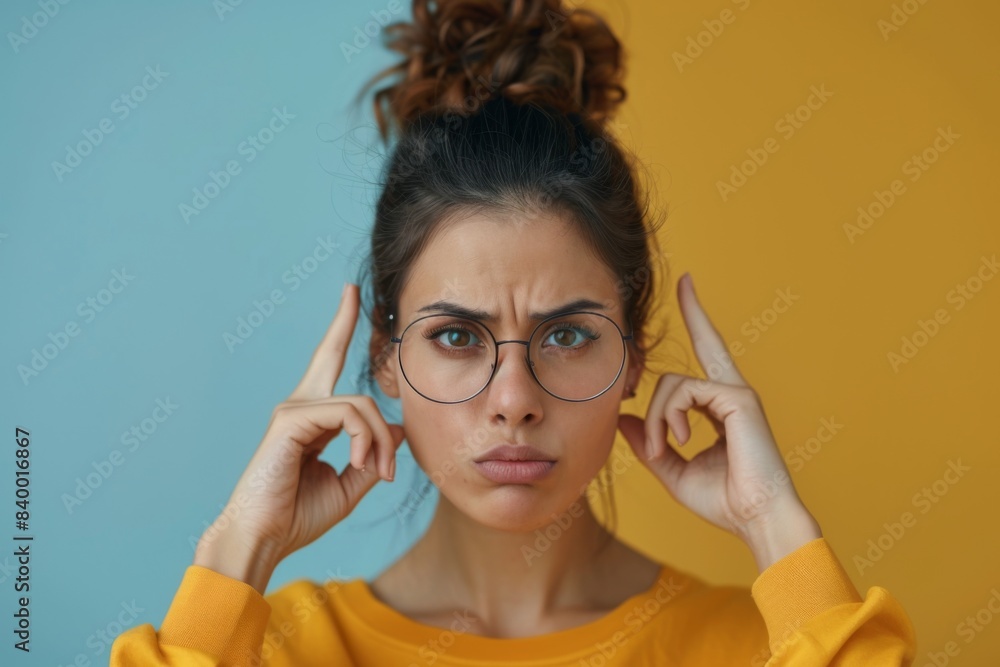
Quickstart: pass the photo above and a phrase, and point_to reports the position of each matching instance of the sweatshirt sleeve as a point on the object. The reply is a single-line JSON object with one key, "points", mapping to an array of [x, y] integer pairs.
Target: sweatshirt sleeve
{"points": [[815, 616], [213, 620]]}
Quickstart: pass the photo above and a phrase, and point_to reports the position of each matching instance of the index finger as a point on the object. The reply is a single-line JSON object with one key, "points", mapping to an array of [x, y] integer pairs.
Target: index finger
{"points": [[328, 359], [709, 346]]}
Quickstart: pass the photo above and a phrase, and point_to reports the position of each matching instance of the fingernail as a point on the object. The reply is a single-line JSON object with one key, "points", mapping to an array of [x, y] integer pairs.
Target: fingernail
{"points": [[649, 449], [392, 469]]}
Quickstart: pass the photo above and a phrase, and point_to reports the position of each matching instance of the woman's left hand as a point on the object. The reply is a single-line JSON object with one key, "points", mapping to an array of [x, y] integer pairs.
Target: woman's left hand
{"points": [[740, 483]]}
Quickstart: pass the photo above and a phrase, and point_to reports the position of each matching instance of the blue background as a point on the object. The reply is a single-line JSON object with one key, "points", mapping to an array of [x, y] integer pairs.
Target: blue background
{"points": [[161, 337]]}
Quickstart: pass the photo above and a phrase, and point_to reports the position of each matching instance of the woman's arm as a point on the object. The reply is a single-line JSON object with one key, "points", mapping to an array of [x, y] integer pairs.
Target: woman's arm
{"points": [[285, 499], [813, 613], [815, 616], [213, 620]]}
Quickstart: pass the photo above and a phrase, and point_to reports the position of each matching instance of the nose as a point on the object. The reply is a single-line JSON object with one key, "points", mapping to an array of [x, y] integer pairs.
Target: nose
{"points": [[516, 352], [513, 395]]}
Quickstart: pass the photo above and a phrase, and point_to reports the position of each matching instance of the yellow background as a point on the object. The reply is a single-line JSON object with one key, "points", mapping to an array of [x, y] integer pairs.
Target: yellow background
{"points": [[826, 356]]}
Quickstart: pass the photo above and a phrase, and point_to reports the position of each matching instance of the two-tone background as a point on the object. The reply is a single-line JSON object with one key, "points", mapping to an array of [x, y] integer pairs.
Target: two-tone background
{"points": [[185, 188]]}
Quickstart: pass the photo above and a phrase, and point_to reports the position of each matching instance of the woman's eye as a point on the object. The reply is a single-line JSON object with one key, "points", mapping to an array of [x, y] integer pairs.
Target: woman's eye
{"points": [[457, 337], [566, 337]]}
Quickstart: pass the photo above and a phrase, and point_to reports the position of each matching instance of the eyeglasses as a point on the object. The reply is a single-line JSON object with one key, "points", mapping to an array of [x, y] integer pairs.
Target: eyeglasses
{"points": [[574, 356]]}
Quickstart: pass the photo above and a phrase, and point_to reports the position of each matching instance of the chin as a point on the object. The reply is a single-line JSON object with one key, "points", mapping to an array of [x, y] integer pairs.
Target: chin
{"points": [[521, 508]]}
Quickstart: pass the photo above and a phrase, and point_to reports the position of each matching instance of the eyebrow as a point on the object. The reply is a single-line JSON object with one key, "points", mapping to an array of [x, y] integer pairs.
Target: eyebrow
{"points": [[484, 316]]}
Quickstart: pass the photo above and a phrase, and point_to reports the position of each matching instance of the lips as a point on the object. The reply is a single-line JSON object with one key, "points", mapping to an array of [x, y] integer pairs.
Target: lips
{"points": [[511, 463], [514, 472], [513, 452]]}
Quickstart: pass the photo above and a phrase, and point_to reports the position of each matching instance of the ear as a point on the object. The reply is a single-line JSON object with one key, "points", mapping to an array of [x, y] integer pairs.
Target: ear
{"points": [[634, 369], [381, 353]]}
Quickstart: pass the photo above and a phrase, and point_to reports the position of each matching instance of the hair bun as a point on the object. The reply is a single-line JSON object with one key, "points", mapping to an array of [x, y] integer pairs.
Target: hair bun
{"points": [[461, 53]]}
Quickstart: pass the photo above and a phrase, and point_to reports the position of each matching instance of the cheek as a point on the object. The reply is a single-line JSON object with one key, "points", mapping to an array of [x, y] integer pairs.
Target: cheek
{"points": [[589, 447], [594, 421], [587, 432], [439, 439]]}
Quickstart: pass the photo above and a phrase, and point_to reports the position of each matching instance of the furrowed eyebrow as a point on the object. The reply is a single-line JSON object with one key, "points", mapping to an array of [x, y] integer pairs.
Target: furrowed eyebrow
{"points": [[452, 308]]}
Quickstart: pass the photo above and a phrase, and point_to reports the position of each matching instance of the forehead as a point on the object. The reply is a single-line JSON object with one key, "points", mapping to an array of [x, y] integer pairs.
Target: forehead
{"points": [[508, 266]]}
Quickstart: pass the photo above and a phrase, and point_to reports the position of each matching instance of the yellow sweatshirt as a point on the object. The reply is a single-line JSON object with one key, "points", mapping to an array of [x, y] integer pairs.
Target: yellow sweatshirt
{"points": [[803, 610]]}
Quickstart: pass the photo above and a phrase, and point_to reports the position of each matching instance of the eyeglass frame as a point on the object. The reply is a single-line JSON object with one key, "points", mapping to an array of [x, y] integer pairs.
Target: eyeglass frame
{"points": [[527, 352]]}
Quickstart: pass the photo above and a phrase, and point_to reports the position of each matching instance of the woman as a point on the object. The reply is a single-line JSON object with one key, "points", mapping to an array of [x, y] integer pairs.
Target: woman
{"points": [[508, 218]]}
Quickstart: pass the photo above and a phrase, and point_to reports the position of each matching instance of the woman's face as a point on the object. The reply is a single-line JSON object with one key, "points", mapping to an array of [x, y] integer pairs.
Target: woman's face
{"points": [[509, 268]]}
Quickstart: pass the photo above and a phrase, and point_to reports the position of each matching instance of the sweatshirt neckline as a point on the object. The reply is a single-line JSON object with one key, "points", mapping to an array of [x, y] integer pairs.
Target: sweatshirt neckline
{"points": [[390, 625]]}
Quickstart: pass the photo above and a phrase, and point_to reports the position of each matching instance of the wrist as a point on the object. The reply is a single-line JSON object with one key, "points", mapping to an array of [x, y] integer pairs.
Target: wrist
{"points": [[238, 556], [775, 534]]}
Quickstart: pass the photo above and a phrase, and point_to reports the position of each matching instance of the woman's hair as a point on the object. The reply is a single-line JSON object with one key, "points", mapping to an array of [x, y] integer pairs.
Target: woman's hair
{"points": [[500, 108]]}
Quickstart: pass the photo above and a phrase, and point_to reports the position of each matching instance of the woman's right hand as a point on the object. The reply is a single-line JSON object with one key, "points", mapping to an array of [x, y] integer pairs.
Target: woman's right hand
{"points": [[287, 497]]}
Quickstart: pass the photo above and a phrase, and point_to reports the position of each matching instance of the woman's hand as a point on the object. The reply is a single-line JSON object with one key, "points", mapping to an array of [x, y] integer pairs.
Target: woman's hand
{"points": [[740, 483], [287, 497]]}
